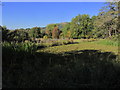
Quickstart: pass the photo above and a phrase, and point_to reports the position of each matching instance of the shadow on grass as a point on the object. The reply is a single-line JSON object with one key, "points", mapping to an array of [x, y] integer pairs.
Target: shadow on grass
{"points": [[77, 69], [58, 44]]}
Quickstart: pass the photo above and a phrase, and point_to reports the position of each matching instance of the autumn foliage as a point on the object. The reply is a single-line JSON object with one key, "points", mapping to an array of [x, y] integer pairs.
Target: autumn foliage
{"points": [[55, 32]]}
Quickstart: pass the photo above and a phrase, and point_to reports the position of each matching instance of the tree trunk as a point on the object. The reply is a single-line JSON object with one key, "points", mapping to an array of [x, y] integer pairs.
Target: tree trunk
{"points": [[115, 32], [109, 33]]}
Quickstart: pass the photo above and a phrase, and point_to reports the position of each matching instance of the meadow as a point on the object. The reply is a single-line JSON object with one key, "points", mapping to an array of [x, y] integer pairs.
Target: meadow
{"points": [[102, 45], [76, 63], [50, 46]]}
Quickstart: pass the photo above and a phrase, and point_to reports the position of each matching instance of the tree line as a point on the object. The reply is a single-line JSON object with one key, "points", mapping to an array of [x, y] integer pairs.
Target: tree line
{"points": [[104, 25]]}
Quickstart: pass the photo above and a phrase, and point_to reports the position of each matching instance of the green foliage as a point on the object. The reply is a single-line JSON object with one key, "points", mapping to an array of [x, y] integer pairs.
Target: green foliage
{"points": [[35, 32], [65, 30], [106, 22], [49, 29], [48, 32], [19, 35], [80, 26], [5, 33], [45, 37], [61, 36], [20, 47]]}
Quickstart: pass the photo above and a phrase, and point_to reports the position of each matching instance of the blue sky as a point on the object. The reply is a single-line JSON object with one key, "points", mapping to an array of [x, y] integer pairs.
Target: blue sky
{"points": [[31, 14], [56, 0]]}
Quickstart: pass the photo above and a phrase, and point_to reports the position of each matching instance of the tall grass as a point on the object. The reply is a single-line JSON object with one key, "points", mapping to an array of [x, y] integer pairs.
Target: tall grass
{"points": [[27, 47]]}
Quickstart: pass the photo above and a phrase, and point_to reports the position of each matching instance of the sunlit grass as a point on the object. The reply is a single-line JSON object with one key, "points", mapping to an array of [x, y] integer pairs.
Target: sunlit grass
{"points": [[80, 46], [107, 42]]}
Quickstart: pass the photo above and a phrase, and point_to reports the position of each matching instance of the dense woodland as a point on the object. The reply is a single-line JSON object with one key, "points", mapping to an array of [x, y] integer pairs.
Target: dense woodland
{"points": [[83, 53]]}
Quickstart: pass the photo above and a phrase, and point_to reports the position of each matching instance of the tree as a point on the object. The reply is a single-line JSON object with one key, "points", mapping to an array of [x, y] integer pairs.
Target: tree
{"points": [[81, 26], [49, 29], [18, 35], [42, 33], [55, 32], [65, 29], [5, 33], [93, 27], [35, 32], [107, 20], [49, 34], [68, 35]]}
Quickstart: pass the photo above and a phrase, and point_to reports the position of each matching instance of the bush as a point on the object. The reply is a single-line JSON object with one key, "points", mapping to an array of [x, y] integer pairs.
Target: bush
{"points": [[45, 37]]}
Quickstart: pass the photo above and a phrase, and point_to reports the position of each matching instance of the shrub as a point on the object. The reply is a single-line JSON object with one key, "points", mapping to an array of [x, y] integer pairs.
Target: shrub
{"points": [[45, 37]]}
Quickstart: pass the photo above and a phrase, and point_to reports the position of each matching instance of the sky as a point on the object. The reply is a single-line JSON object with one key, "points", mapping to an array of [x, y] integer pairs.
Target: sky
{"points": [[56, 0], [30, 14], [0, 13]]}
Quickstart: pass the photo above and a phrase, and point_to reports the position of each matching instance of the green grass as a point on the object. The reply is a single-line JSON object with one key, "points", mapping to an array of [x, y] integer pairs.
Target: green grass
{"points": [[107, 42], [81, 46]]}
